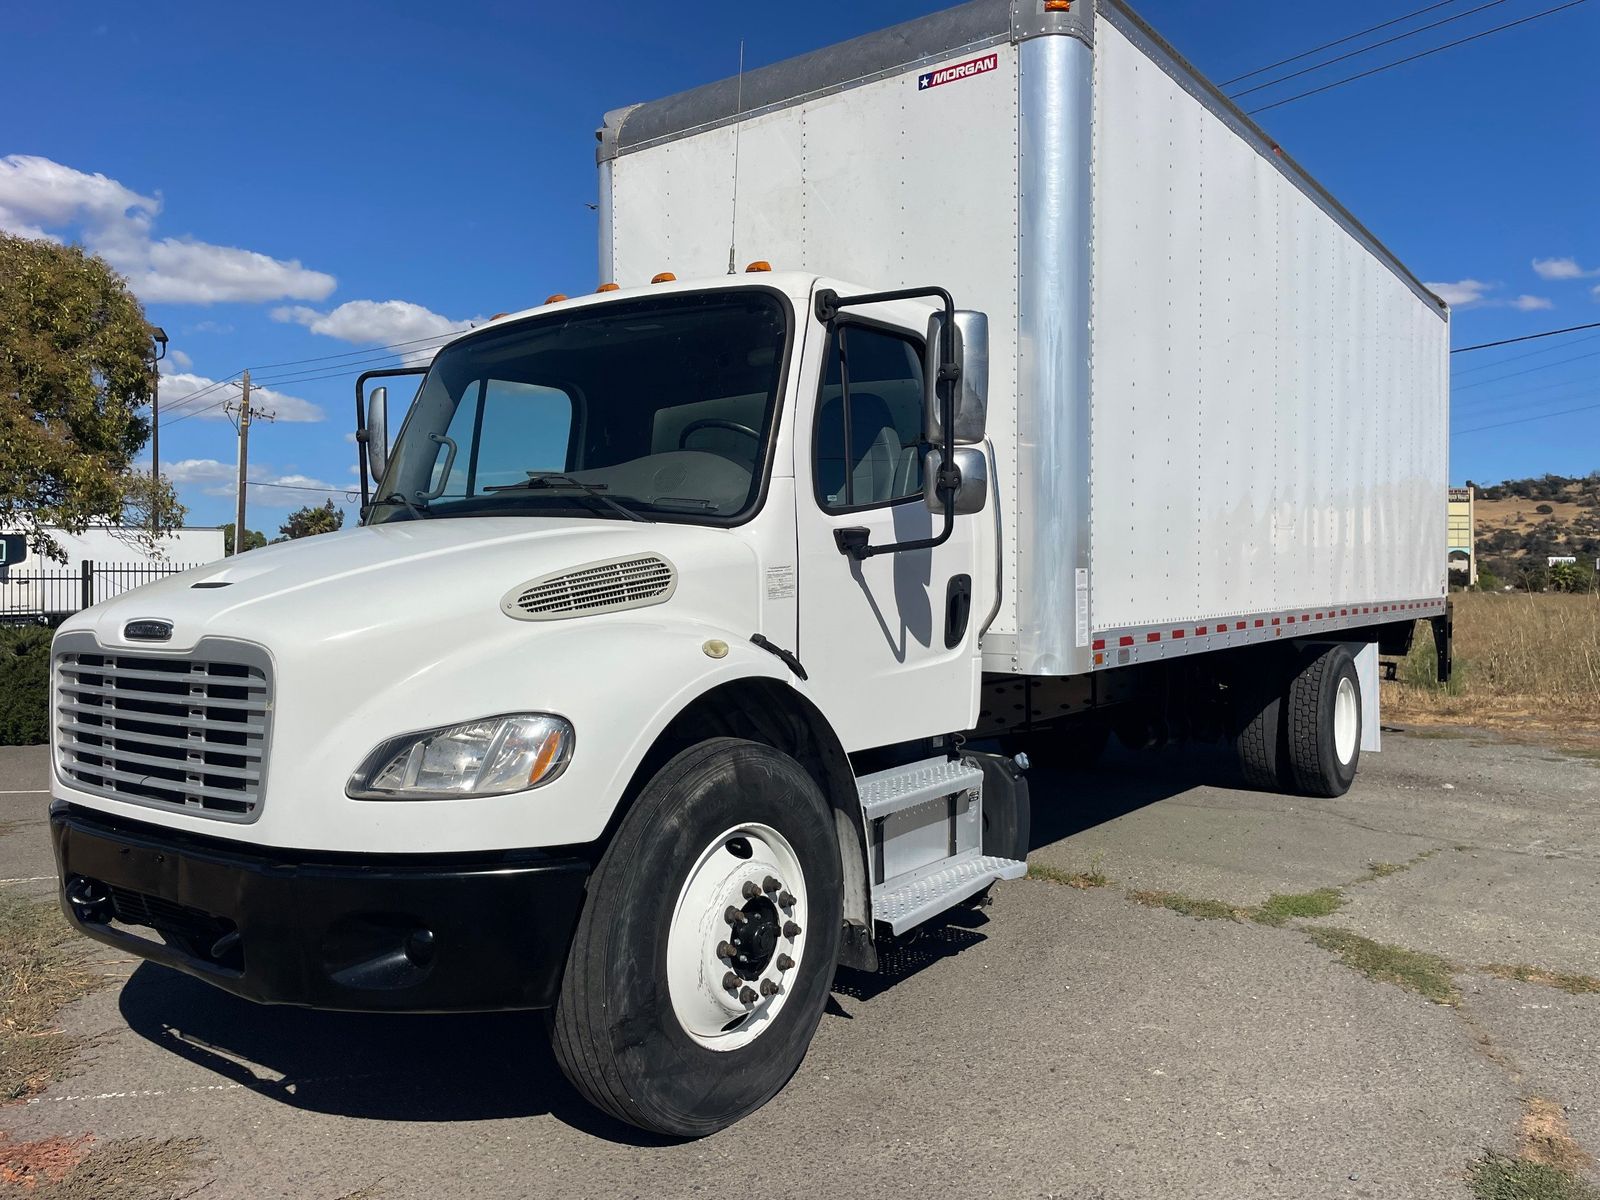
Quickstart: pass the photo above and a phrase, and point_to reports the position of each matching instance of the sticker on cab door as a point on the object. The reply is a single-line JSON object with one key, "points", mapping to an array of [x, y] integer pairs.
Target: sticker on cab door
{"points": [[962, 70]]}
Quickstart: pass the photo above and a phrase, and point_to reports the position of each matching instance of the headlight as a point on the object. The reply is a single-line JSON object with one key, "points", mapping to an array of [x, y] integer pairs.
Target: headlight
{"points": [[491, 757]]}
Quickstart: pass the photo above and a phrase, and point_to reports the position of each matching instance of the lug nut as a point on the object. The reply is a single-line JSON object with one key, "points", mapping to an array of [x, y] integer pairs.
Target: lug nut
{"points": [[747, 995], [751, 891], [731, 982], [785, 900], [791, 930], [726, 950], [734, 917], [785, 963], [768, 988], [769, 884]]}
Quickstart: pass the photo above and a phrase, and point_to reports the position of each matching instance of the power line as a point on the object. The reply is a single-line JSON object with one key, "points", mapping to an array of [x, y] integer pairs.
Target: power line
{"points": [[1328, 87], [1489, 366], [1560, 362], [1399, 37], [295, 362], [1523, 420], [297, 487], [1475, 408], [1528, 337], [1283, 62]]}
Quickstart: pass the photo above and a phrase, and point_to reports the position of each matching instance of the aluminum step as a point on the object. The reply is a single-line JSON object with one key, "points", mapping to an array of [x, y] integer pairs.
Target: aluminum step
{"points": [[885, 792], [904, 906]]}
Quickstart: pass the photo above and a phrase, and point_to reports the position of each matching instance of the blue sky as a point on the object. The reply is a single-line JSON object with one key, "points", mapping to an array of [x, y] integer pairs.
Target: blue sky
{"points": [[300, 180]]}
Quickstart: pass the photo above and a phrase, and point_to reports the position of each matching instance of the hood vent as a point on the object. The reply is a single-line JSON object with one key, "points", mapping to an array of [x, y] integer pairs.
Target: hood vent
{"points": [[601, 587]]}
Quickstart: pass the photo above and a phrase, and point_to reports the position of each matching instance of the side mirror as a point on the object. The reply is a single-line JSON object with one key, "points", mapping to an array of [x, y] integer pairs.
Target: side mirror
{"points": [[972, 390], [377, 433], [972, 492]]}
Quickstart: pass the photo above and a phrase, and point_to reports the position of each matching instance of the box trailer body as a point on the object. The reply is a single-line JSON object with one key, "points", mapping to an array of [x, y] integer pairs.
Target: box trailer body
{"points": [[696, 628], [1217, 403]]}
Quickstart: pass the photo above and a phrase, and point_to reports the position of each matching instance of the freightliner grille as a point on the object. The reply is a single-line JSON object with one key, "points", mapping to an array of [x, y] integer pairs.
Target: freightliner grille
{"points": [[186, 733]]}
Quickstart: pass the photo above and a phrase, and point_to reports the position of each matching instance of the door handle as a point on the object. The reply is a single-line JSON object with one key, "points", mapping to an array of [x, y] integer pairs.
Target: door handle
{"points": [[957, 609]]}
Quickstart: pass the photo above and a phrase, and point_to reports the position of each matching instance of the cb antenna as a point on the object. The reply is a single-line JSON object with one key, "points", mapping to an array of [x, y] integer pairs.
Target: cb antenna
{"points": [[738, 111]]}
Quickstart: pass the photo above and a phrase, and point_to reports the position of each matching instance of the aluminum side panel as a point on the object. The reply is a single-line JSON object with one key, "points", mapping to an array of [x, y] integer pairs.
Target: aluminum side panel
{"points": [[1269, 401]]}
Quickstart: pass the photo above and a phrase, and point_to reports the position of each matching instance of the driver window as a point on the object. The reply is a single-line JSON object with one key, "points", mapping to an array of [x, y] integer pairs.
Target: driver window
{"points": [[870, 455], [502, 431]]}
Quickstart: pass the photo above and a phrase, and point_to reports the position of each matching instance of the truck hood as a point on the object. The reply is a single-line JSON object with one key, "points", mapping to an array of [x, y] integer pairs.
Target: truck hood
{"points": [[416, 575]]}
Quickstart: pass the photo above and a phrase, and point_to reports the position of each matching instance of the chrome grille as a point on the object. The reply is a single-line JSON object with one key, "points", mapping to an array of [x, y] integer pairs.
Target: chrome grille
{"points": [[176, 732], [596, 588]]}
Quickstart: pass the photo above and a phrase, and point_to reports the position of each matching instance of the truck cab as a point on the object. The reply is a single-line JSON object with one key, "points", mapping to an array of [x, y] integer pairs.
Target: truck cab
{"points": [[638, 575]]}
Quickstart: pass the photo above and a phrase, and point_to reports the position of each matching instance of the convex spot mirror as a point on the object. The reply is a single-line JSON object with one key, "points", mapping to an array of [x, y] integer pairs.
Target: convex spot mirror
{"points": [[973, 490], [378, 433], [972, 389]]}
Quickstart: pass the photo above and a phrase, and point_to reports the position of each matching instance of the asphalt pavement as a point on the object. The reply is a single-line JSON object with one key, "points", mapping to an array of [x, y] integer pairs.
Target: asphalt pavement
{"points": [[1064, 1042]]}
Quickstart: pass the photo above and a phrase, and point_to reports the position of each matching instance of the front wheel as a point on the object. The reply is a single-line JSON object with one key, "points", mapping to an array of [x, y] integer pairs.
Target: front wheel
{"points": [[706, 950], [1324, 723]]}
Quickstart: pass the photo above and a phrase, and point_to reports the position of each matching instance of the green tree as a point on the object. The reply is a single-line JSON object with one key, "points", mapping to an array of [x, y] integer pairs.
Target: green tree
{"points": [[74, 373], [253, 539], [312, 520]]}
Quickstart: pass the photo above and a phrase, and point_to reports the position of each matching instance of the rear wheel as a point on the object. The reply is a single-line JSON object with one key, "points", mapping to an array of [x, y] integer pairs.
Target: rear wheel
{"points": [[706, 950], [1324, 723], [1260, 733]]}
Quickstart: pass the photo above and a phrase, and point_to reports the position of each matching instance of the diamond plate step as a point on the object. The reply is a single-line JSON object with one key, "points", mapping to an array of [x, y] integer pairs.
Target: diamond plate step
{"points": [[889, 791], [905, 906]]}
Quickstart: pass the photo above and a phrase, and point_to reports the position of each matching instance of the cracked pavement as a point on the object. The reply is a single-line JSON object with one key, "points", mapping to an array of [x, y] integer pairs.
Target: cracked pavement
{"points": [[1060, 1043]]}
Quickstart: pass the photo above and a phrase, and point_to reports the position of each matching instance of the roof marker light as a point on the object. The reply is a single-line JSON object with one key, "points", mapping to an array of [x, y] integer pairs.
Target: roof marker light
{"points": [[555, 297], [1058, 5], [609, 287], [664, 277], [760, 264], [497, 316]]}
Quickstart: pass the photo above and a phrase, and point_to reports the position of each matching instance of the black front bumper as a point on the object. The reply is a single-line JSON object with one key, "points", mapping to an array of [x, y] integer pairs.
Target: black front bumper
{"points": [[398, 933]]}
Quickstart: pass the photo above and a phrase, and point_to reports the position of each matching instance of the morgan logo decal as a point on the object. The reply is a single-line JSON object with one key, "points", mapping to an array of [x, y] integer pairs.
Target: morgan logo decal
{"points": [[962, 70], [147, 631]]}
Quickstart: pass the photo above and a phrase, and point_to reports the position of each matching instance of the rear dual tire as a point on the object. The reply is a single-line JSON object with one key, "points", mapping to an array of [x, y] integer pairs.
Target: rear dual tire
{"points": [[1298, 728]]}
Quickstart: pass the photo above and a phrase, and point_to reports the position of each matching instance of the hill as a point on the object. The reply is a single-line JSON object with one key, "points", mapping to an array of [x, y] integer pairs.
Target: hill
{"points": [[1520, 523]]}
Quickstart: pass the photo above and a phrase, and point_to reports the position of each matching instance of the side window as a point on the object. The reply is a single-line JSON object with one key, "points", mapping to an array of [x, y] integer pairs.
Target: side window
{"points": [[868, 452], [503, 430]]}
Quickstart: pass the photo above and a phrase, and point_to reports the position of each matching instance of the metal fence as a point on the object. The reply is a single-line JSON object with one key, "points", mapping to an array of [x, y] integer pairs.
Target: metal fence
{"points": [[49, 597]]}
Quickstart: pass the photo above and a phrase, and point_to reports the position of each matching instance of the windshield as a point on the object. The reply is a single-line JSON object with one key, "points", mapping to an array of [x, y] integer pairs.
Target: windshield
{"points": [[663, 406]]}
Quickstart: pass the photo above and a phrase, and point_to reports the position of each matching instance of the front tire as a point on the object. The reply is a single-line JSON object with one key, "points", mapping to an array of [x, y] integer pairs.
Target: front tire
{"points": [[647, 1026]]}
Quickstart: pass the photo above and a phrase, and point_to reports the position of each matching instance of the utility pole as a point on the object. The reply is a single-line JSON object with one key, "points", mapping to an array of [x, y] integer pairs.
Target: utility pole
{"points": [[247, 413], [159, 337]]}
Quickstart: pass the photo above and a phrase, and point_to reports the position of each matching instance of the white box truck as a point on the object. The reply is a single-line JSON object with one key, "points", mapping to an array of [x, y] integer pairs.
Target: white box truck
{"points": [[692, 628]]}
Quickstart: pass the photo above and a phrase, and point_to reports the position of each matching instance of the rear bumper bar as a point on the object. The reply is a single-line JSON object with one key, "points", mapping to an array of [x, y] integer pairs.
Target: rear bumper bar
{"points": [[410, 933]]}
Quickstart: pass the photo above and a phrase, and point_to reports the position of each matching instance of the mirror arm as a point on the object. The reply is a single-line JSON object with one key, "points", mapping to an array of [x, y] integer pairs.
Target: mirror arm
{"points": [[853, 541]]}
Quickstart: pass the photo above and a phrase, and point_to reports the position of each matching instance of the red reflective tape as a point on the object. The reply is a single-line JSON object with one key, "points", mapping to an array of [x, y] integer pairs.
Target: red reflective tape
{"points": [[1099, 644], [1319, 616], [1124, 640], [1291, 621], [1153, 636], [1275, 621], [1200, 631], [1177, 633], [1305, 616], [1344, 612], [1240, 624]]}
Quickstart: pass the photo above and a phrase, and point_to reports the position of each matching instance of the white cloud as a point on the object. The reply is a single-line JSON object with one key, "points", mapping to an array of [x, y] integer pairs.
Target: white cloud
{"points": [[1562, 268], [1461, 293], [177, 359], [272, 489], [178, 388], [377, 322], [38, 195], [1531, 303]]}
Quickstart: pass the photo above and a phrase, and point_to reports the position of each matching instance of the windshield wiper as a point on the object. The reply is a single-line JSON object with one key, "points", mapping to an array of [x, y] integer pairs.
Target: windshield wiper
{"points": [[417, 508], [553, 479]]}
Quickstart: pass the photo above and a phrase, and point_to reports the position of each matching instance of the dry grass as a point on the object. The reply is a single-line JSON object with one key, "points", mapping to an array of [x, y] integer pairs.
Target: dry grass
{"points": [[57, 1168], [1578, 985], [1529, 661], [1426, 974], [41, 971], [1093, 877]]}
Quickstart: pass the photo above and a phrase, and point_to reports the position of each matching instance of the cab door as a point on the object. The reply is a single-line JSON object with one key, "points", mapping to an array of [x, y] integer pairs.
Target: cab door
{"points": [[890, 641]]}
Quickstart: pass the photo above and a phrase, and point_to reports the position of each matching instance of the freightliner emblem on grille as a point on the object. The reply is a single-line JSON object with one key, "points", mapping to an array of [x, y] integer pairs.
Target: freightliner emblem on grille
{"points": [[148, 631]]}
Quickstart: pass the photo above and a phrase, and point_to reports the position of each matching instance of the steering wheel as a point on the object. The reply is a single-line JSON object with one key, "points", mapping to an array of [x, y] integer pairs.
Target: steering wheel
{"points": [[715, 423]]}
